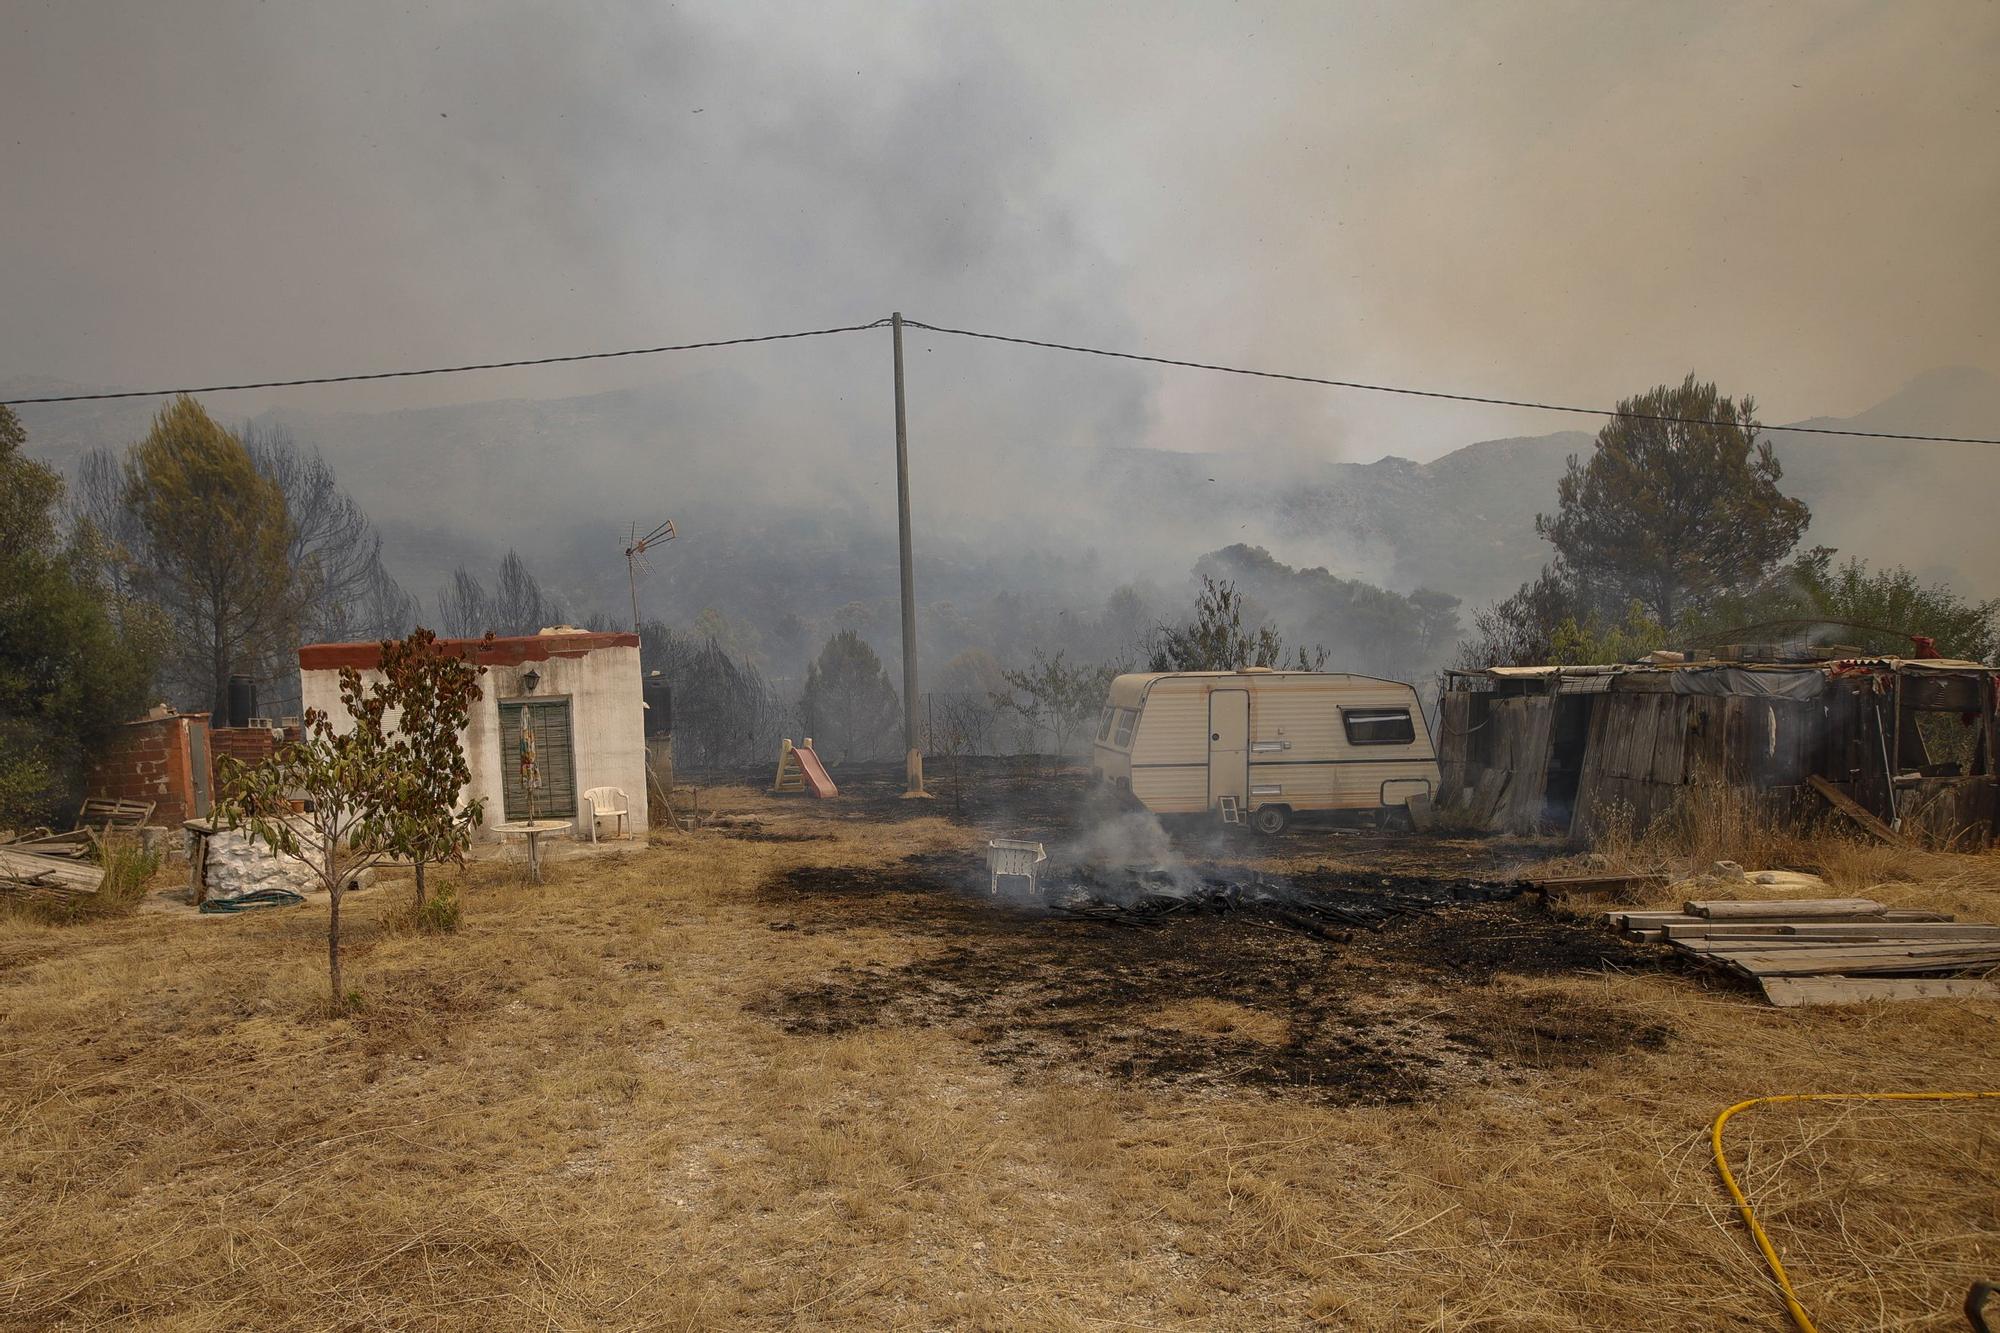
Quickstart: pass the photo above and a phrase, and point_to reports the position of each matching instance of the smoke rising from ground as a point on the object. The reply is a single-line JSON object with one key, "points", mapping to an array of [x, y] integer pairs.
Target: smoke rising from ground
{"points": [[1130, 838]]}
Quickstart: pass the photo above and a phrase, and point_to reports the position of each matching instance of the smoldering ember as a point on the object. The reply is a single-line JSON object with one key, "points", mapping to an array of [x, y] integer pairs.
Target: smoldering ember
{"points": [[1000, 666]]}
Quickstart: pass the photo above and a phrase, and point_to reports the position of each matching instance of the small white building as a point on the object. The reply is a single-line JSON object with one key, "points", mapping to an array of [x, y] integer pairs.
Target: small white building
{"points": [[578, 692]]}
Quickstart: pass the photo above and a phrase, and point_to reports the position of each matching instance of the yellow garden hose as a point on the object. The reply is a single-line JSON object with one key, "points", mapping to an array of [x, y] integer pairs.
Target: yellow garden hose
{"points": [[1798, 1313]]}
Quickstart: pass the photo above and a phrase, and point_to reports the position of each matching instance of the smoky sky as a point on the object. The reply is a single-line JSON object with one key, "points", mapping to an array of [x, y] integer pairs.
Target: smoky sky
{"points": [[1568, 201]]}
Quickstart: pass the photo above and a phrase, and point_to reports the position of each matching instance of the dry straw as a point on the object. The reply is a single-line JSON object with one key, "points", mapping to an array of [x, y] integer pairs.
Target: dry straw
{"points": [[573, 1113]]}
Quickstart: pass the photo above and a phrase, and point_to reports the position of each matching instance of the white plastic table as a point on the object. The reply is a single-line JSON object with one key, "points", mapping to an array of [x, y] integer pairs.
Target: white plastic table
{"points": [[534, 830]]}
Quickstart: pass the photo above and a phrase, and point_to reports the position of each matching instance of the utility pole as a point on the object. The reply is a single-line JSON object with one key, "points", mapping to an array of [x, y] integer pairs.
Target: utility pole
{"points": [[913, 751]]}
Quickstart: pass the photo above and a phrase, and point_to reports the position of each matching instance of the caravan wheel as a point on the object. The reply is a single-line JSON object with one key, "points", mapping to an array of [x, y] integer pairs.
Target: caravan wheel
{"points": [[1269, 819]]}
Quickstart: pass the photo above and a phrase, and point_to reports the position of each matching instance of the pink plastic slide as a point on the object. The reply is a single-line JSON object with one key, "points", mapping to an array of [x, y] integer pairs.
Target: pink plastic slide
{"points": [[815, 773]]}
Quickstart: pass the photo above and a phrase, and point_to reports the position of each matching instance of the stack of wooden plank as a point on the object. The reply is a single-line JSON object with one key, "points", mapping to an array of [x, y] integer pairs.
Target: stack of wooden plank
{"points": [[74, 844], [1829, 950], [24, 872]]}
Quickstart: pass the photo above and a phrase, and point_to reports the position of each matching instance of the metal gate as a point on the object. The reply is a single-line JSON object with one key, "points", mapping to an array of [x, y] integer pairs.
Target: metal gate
{"points": [[555, 758]]}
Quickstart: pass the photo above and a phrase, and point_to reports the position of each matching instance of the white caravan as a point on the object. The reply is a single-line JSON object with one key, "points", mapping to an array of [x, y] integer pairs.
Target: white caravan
{"points": [[1259, 745]]}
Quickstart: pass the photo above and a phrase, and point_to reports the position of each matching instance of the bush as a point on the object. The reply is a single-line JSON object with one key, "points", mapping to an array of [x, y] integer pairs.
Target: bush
{"points": [[128, 868], [437, 914]]}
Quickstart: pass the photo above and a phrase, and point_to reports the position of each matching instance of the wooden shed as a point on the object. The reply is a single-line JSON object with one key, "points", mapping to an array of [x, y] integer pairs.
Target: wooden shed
{"points": [[1559, 749]]}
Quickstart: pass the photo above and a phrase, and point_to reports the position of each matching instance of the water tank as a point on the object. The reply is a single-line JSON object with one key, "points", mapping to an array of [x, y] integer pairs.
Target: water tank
{"points": [[659, 697], [242, 700]]}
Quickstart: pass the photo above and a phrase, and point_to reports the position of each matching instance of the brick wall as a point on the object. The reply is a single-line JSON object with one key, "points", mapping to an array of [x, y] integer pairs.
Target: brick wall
{"points": [[150, 761], [246, 745]]}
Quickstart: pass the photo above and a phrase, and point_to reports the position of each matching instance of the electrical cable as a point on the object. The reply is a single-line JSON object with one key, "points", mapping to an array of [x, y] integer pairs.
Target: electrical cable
{"points": [[1433, 393], [1364, 386], [1797, 1311], [443, 370]]}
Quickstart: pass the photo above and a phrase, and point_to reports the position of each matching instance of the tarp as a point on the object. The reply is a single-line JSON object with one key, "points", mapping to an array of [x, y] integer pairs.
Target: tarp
{"points": [[1804, 684]]}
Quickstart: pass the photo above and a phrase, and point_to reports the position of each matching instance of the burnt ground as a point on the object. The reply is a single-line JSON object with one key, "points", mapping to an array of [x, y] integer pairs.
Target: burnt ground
{"points": [[1034, 797], [1439, 995]]}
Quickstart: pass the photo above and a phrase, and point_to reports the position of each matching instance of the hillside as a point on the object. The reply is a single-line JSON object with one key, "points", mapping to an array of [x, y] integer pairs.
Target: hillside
{"points": [[801, 526]]}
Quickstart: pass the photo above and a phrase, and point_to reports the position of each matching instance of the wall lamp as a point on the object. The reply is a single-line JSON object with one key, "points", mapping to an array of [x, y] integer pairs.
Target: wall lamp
{"points": [[529, 679]]}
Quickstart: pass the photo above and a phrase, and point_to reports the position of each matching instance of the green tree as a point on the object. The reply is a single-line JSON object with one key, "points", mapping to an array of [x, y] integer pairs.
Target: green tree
{"points": [[1520, 630], [430, 690], [350, 781], [1058, 696], [1873, 610], [1673, 514], [1366, 628], [1595, 640], [29, 494], [1893, 603], [213, 551], [1215, 639], [849, 707], [68, 672]]}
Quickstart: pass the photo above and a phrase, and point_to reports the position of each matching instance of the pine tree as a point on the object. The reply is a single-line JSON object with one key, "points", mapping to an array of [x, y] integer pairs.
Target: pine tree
{"points": [[214, 557], [1673, 514], [850, 708]]}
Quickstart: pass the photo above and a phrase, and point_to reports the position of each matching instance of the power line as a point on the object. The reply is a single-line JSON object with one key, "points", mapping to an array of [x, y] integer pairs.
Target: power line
{"points": [[1432, 393], [1403, 390], [444, 370]]}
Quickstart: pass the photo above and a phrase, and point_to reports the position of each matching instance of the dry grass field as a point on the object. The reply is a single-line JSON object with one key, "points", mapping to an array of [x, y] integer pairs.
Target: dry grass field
{"points": [[771, 1076]]}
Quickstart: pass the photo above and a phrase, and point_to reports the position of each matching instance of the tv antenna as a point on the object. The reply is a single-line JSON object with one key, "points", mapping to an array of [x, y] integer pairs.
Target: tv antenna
{"points": [[635, 558]]}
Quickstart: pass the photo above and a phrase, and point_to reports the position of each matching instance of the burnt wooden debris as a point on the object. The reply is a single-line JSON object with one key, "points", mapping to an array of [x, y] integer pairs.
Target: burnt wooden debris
{"points": [[1828, 950], [1901, 747], [1591, 886], [1844, 803]]}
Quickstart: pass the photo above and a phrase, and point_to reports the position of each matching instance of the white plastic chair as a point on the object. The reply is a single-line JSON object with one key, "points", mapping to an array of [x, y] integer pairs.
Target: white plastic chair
{"points": [[1016, 859], [607, 803]]}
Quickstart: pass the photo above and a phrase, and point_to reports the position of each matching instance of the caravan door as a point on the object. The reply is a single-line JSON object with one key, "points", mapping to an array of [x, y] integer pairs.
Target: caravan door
{"points": [[1229, 747]]}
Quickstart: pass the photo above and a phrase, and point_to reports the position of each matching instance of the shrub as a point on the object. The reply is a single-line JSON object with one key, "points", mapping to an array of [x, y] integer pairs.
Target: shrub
{"points": [[437, 914], [128, 867]]}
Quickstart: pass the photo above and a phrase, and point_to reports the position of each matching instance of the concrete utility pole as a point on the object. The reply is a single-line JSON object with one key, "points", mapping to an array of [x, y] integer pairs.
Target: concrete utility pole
{"points": [[913, 750]]}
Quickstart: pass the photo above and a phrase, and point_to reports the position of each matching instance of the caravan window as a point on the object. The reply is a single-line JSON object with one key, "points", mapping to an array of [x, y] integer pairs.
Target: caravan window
{"points": [[1378, 726], [1105, 722], [1127, 719]]}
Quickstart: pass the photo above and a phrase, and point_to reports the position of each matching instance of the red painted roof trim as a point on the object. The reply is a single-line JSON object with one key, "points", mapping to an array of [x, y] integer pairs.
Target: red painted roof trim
{"points": [[501, 652]]}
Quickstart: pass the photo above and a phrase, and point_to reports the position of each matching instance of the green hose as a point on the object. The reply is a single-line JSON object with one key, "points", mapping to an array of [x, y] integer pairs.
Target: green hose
{"points": [[251, 901]]}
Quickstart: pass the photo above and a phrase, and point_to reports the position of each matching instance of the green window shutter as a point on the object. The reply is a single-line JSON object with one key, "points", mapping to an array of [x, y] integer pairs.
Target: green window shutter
{"points": [[555, 759]]}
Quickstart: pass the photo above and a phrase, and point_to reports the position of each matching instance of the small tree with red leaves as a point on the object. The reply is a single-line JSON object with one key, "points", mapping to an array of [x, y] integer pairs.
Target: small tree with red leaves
{"points": [[380, 789], [432, 690], [345, 781]]}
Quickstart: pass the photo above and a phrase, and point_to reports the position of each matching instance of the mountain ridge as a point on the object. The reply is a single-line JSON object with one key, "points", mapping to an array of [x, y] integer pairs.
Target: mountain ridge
{"points": [[461, 483]]}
